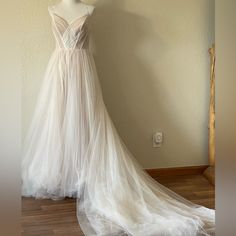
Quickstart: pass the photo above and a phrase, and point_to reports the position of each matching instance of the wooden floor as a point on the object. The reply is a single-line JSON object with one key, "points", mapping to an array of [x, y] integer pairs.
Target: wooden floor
{"points": [[47, 217]]}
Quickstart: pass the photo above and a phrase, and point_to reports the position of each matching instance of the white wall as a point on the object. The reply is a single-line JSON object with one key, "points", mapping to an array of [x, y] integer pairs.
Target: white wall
{"points": [[152, 60]]}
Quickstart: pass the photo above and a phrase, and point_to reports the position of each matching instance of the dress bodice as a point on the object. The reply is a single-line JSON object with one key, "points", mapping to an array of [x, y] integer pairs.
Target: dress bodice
{"points": [[70, 35]]}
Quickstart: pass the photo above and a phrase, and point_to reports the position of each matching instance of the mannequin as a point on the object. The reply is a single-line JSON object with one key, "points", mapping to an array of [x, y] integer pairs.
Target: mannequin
{"points": [[72, 9]]}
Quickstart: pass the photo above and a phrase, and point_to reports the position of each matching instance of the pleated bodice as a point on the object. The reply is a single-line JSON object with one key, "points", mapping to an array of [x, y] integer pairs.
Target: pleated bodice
{"points": [[70, 35]]}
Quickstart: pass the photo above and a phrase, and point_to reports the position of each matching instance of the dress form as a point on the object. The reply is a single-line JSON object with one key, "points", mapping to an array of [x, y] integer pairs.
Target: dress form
{"points": [[71, 9]]}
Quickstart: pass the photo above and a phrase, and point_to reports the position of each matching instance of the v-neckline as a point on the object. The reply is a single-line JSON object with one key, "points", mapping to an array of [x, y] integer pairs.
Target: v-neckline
{"points": [[72, 21]]}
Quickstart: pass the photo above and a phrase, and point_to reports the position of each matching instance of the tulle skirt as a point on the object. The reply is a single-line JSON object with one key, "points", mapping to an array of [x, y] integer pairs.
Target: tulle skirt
{"points": [[72, 149]]}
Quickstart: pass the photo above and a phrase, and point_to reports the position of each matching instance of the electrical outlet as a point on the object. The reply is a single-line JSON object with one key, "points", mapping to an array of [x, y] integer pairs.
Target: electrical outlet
{"points": [[157, 139]]}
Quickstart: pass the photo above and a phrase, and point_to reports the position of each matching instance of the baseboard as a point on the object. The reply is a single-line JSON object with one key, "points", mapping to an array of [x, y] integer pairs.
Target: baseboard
{"points": [[177, 171]]}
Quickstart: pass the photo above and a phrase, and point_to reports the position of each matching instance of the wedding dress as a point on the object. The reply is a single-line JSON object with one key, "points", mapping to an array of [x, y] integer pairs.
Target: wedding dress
{"points": [[73, 149]]}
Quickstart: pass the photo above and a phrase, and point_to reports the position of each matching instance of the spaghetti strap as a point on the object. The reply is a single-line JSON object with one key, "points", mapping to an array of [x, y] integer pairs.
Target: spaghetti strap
{"points": [[50, 10], [88, 12]]}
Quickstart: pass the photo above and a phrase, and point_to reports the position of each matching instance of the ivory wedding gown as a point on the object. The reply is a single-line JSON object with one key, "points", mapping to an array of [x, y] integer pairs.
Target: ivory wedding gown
{"points": [[73, 149]]}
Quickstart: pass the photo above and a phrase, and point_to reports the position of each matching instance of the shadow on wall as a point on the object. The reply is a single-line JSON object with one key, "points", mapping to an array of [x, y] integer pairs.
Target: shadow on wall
{"points": [[132, 93]]}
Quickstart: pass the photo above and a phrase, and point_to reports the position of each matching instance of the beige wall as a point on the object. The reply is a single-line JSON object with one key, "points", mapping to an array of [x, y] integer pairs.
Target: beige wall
{"points": [[225, 117], [153, 67]]}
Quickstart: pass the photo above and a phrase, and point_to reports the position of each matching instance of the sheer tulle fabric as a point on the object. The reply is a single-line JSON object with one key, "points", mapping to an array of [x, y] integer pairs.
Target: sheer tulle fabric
{"points": [[73, 149]]}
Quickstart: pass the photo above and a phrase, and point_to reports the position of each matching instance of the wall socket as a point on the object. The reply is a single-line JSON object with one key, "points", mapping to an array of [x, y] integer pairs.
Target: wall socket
{"points": [[157, 139]]}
